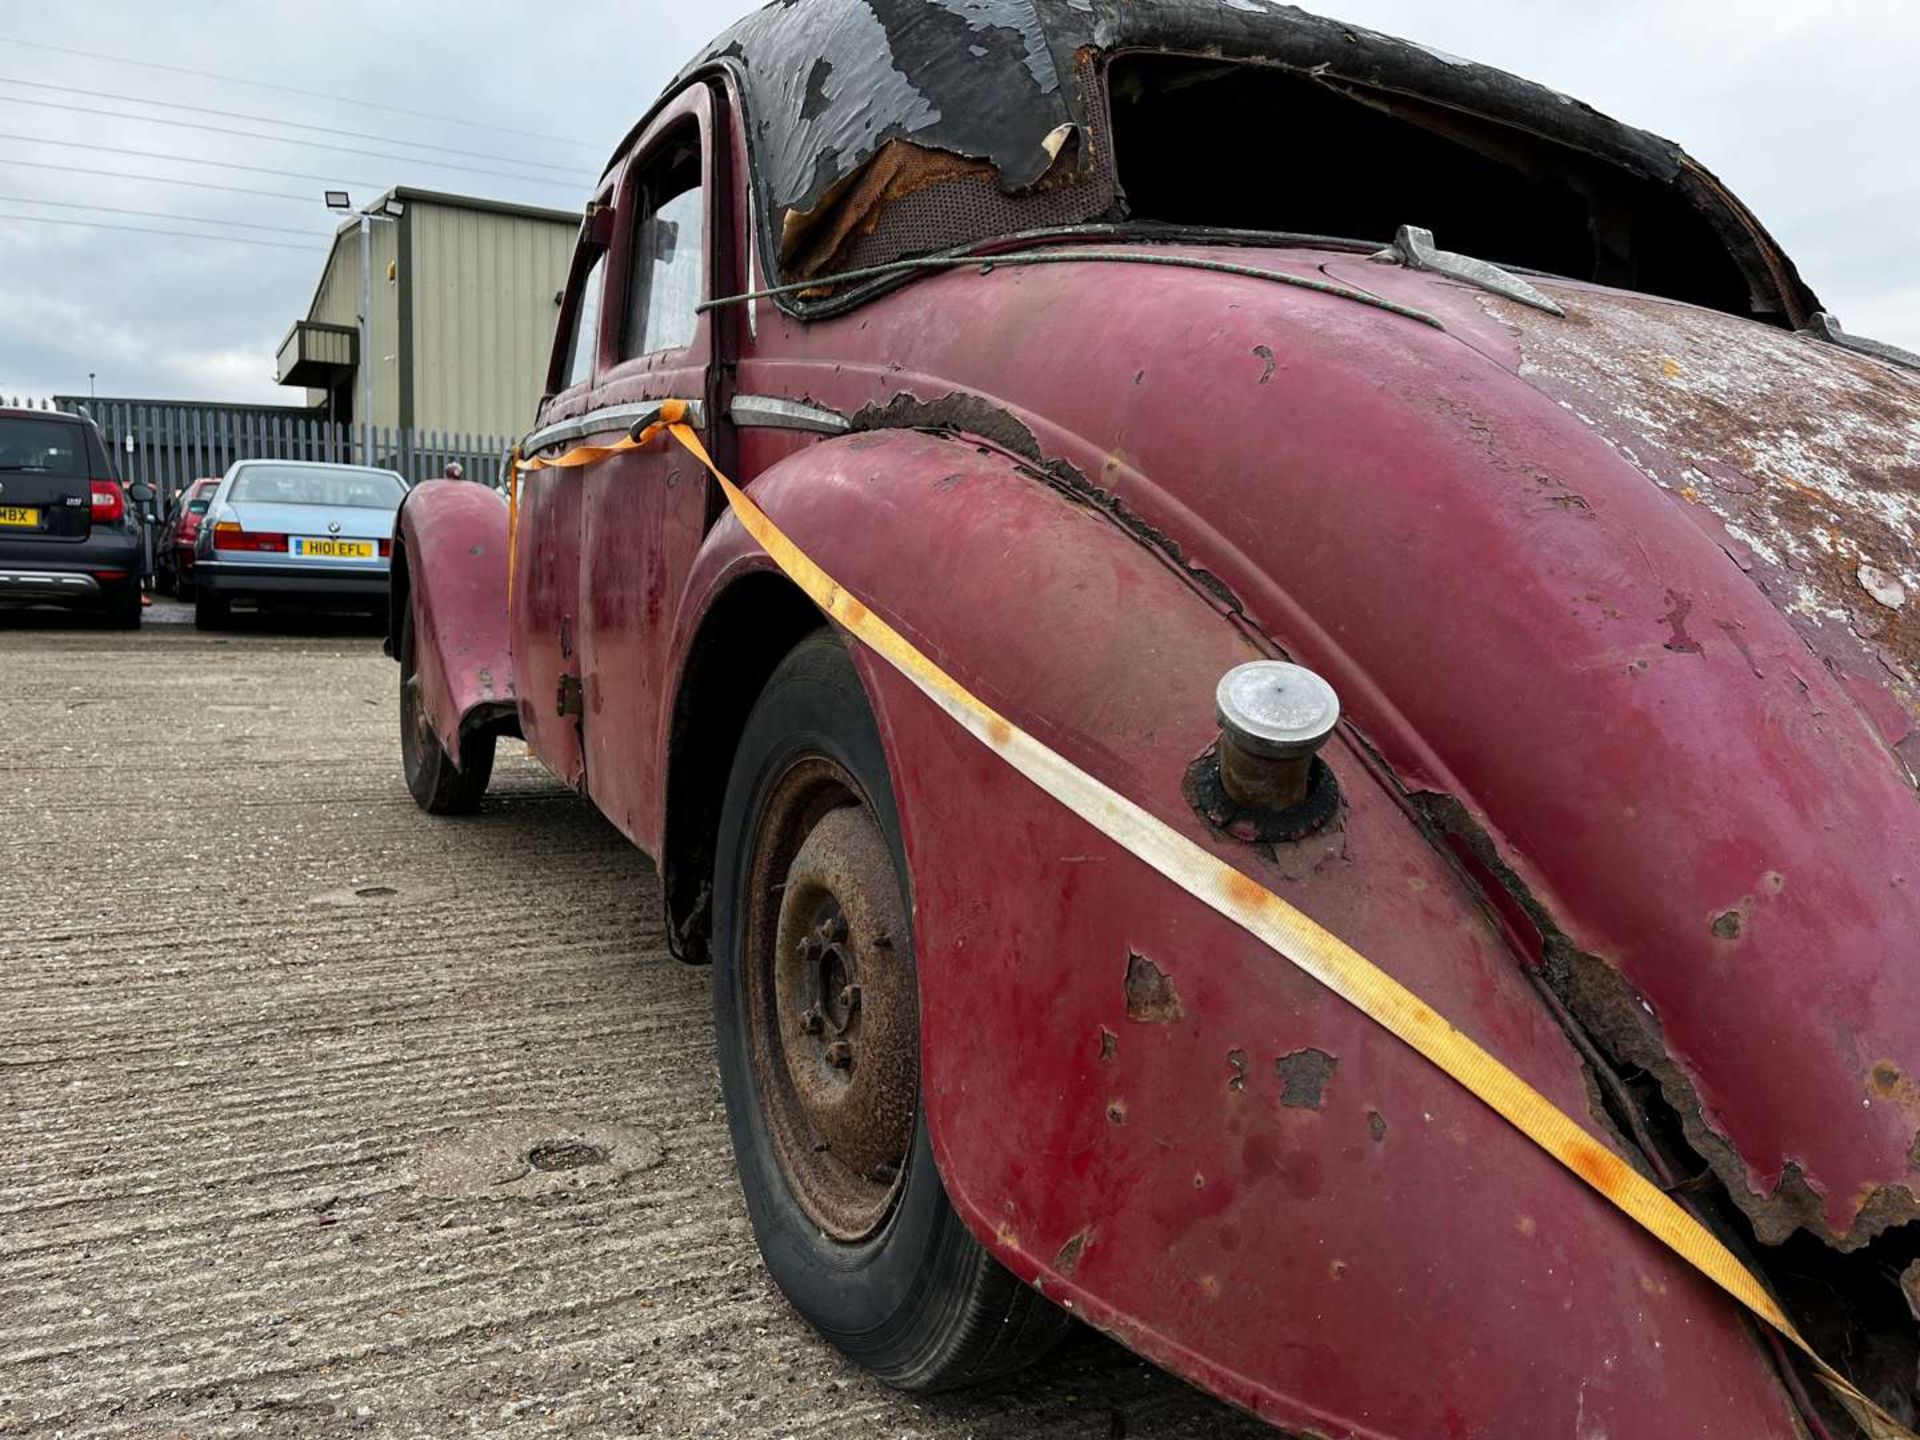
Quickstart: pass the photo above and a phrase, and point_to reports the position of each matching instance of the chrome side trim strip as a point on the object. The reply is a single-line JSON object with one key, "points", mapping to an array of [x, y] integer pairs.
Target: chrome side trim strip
{"points": [[608, 417], [775, 412]]}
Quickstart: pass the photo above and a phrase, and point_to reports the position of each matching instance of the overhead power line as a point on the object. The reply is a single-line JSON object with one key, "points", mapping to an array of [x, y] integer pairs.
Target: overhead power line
{"points": [[290, 140], [299, 125], [152, 230], [190, 160], [164, 215], [291, 90], [306, 199]]}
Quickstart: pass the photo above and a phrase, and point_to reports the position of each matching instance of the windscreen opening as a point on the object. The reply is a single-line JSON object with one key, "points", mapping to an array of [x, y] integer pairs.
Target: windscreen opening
{"points": [[299, 485], [1203, 142]]}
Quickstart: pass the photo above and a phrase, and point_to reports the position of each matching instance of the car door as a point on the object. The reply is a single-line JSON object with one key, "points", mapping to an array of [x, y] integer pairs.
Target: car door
{"points": [[645, 511], [544, 626]]}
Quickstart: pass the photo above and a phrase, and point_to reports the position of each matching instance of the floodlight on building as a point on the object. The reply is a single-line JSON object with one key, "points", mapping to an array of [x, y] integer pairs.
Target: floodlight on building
{"points": [[337, 200]]}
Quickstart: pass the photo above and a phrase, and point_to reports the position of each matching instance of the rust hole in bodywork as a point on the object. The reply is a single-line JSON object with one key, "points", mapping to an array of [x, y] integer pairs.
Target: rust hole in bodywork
{"points": [[1108, 1042], [1151, 997], [1237, 1066], [1726, 925], [1376, 1125], [1303, 1077], [1068, 1258]]}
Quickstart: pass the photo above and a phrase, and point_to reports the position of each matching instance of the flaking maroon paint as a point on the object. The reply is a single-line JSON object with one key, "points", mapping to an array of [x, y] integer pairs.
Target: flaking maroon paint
{"points": [[1144, 477]]}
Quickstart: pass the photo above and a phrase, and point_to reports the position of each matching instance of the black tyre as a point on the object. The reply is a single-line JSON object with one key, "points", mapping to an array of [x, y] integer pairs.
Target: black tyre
{"points": [[123, 607], [438, 786], [212, 612], [816, 1006]]}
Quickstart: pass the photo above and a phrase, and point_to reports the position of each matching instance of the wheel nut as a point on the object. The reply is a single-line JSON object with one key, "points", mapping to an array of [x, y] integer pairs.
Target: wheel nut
{"points": [[809, 949], [833, 929], [812, 1021], [840, 1055], [850, 999]]}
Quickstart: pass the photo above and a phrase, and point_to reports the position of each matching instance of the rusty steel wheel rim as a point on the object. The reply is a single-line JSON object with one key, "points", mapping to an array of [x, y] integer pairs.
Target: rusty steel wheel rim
{"points": [[831, 1006], [416, 730]]}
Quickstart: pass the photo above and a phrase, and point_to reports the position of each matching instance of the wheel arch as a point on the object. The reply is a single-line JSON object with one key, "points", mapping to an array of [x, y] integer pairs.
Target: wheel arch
{"points": [[1140, 1191], [746, 628], [449, 567]]}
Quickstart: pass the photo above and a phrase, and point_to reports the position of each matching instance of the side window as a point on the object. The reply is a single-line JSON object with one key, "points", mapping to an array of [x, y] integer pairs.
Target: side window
{"points": [[586, 326], [663, 285]]}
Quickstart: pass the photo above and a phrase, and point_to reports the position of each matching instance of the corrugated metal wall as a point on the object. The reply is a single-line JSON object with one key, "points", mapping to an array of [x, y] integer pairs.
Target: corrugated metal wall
{"points": [[337, 302], [482, 294], [170, 443]]}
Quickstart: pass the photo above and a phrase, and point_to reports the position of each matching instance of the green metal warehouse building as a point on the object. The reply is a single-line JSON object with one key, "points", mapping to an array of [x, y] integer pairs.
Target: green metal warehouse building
{"points": [[465, 294]]}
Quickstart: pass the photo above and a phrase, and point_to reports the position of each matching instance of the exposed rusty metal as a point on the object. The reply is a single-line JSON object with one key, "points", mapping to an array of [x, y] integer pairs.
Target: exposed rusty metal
{"points": [[1257, 783], [1270, 827], [1600, 1007], [1304, 1076], [833, 1016], [1151, 997], [1800, 458], [1615, 1031], [1067, 1259]]}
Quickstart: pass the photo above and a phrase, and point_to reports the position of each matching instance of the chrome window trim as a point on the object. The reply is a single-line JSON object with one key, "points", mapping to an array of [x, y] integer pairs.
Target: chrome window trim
{"points": [[776, 412], [607, 417]]}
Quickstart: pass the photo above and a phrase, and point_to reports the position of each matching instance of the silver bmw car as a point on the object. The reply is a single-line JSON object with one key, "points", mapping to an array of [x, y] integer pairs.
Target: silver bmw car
{"points": [[297, 533]]}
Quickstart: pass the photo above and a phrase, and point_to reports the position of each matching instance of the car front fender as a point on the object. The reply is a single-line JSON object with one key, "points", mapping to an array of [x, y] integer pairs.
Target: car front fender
{"points": [[450, 565], [1142, 1110]]}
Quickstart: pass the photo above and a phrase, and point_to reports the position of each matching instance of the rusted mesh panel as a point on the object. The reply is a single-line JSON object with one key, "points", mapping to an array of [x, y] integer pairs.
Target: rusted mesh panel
{"points": [[851, 210], [909, 200]]}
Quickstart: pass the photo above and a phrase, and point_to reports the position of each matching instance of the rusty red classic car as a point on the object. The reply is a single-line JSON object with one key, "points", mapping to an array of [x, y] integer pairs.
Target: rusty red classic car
{"points": [[1102, 349]]}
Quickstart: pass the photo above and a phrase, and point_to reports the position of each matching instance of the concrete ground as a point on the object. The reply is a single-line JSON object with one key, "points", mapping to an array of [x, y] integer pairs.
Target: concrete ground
{"points": [[274, 1048]]}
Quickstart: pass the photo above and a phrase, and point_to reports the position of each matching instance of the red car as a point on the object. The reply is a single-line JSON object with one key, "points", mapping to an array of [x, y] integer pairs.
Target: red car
{"points": [[1496, 1013], [174, 550]]}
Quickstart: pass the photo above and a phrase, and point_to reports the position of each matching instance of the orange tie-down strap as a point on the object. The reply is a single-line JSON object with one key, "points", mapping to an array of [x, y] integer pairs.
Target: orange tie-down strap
{"points": [[1265, 915]]}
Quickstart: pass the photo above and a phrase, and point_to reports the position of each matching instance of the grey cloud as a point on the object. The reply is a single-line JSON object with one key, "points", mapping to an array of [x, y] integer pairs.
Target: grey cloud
{"points": [[1802, 110]]}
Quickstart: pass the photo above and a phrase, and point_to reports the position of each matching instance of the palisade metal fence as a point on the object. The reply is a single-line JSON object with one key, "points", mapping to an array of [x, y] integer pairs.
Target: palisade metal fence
{"points": [[169, 444]]}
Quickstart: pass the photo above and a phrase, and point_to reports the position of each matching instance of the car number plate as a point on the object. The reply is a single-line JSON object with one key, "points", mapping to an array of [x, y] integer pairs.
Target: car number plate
{"points": [[315, 547], [21, 515]]}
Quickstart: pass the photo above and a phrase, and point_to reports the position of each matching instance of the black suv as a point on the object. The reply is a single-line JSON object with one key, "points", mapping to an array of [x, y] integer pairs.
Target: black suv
{"points": [[67, 533]]}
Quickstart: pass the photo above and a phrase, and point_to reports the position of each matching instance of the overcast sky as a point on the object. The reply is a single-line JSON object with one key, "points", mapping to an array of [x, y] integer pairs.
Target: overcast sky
{"points": [[1804, 110]]}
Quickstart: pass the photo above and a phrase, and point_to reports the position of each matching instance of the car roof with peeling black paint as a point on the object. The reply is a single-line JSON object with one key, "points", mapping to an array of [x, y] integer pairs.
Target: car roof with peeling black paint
{"points": [[1019, 86]]}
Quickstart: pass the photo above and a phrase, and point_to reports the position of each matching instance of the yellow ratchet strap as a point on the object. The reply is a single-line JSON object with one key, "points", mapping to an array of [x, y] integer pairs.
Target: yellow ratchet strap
{"points": [[1267, 917]]}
